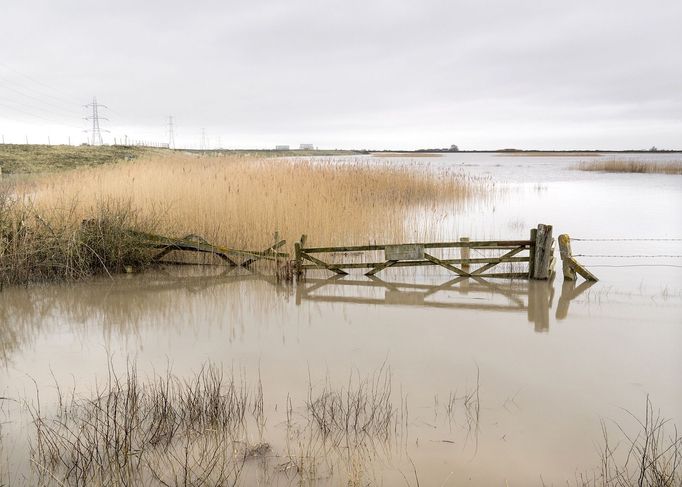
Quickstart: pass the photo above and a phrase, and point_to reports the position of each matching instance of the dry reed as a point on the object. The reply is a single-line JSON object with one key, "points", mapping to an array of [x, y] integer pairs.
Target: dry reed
{"points": [[240, 201], [632, 166], [234, 201]]}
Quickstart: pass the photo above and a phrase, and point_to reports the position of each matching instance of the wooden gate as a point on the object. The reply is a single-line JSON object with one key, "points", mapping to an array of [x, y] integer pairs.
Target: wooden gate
{"points": [[536, 252]]}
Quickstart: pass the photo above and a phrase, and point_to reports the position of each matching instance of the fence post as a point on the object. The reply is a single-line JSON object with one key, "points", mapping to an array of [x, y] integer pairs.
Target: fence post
{"points": [[565, 252], [298, 246], [543, 252], [571, 266], [531, 256], [465, 253]]}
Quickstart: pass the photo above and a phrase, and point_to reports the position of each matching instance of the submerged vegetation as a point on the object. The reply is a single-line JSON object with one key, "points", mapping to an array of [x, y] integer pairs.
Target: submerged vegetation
{"points": [[632, 166], [211, 430], [234, 201], [651, 457], [217, 429]]}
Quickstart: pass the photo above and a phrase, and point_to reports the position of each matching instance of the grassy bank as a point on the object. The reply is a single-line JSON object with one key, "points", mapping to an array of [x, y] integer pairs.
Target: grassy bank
{"points": [[235, 201], [31, 158], [632, 166]]}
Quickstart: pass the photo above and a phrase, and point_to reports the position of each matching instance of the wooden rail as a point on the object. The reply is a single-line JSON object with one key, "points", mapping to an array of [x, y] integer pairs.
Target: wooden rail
{"points": [[195, 243], [539, 248]]}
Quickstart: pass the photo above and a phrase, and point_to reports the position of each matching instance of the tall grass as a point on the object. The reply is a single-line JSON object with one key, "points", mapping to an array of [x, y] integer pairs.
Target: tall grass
{"points": [[164, 431], [632, 166], [44, 244], [650, 457], [234, 201]]}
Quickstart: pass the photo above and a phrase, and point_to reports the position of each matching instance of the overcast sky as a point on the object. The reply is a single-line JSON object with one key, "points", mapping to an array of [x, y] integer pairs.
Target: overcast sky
{"points": [[346, 74]]}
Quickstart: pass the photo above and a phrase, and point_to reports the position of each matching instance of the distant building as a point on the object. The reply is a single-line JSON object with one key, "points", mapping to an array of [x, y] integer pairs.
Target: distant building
{"points": [[281, 147], [306, 147]]}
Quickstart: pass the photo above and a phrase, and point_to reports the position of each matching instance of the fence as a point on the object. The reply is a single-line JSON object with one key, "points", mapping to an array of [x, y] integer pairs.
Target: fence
{"points": [[537, 253]]}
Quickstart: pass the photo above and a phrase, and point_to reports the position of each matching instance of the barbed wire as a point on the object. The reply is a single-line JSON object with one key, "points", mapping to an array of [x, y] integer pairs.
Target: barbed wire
{"points": [[635, 265], [627, 239], [642, 256]]}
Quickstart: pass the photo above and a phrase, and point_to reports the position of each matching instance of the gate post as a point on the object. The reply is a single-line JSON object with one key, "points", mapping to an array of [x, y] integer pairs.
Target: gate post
{"points": [[543, 252]]}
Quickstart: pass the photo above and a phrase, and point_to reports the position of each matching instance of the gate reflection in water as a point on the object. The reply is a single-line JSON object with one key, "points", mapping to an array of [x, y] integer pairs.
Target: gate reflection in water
{"points": [[466, 293]]}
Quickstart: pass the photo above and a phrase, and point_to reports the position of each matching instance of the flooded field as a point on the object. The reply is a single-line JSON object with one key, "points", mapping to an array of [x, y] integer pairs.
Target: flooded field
{"points": [[410, 378]]}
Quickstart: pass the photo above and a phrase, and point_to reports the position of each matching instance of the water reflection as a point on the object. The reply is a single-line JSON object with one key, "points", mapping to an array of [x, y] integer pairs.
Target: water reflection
{"points": [[465, 293], [181, 298]]}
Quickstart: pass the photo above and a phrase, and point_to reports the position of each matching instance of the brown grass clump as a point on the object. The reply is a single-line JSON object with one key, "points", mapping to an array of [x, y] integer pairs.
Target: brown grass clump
{"points": [[632, 166], [40, 244], [240, 201]]}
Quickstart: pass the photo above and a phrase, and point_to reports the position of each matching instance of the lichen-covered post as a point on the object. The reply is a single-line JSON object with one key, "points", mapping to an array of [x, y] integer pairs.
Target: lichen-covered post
{"points": [[565, 252], [465, 254], [543, 252]]}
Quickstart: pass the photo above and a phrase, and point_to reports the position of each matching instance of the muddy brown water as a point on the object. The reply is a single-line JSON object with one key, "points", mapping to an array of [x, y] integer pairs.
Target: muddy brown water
{"points": [[548, 360]]}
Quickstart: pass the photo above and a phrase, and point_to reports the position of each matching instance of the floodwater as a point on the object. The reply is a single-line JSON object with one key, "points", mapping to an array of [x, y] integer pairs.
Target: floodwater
{"points": [[540, 363]]}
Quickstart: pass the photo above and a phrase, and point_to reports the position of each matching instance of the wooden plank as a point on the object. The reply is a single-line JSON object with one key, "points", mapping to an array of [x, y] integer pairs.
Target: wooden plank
{"points": [[531, 261], [320, 263], [404, 252], [505, 275], [444, 264], [418, 263], [381, 266], [543, 252], [577, 267], [498, 260], [502, 244], [269, 250], [160, 242]]}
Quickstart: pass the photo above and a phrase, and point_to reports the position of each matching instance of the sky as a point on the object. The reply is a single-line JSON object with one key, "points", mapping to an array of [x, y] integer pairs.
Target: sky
{"points": [[345, 74]]}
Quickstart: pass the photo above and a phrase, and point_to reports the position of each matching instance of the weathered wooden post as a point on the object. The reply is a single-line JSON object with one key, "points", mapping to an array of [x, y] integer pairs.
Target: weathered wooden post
{"points": [[531, 257], [571, 266], [543, 252], [465, 254], [298, 248], [565, 252]]}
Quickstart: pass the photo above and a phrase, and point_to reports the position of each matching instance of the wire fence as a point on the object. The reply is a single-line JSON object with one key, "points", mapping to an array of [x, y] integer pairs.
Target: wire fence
{"points": [[630, 256], [627, 239]]}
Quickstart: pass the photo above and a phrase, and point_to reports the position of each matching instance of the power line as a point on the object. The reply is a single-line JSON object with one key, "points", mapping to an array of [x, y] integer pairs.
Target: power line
{"points": [[30, 114], [66, 97], [95, 132]]}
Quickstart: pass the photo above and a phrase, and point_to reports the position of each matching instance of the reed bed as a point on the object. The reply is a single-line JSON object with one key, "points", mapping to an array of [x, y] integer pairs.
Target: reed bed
{"points": [[632, 166], [234, 201]]}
